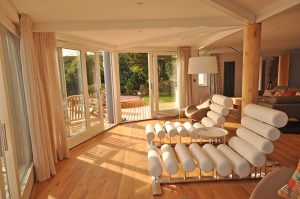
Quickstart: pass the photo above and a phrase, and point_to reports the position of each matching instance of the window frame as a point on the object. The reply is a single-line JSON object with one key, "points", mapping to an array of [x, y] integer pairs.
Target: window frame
{"points": [[205, 82]]}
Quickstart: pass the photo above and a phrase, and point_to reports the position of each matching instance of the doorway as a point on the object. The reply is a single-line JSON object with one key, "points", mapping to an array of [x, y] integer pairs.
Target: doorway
{"points": [[229, 75], [134, 86], [165, 85]]}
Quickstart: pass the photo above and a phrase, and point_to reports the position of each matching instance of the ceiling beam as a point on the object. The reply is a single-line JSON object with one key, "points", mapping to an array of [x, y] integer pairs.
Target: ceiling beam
{"points": [[169, 37], [232, 9], [135, 24], [217, 36], [275, 8], [65, 38]]}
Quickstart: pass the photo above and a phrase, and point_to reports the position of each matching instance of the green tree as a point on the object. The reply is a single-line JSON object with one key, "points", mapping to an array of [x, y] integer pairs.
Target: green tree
{"points": [[133, 72]]}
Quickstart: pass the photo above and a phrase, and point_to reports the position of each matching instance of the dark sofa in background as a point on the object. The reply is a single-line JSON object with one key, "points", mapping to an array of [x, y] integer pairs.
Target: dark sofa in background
{"points": [[288, 104]]}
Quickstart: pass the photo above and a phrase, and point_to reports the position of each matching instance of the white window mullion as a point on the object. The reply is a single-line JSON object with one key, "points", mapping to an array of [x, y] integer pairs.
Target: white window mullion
{"points": [[85, 90]]}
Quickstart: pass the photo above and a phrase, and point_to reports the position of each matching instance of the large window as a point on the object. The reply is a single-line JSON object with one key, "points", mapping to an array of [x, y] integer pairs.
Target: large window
{"points": [[202, 79], [17, 152]]}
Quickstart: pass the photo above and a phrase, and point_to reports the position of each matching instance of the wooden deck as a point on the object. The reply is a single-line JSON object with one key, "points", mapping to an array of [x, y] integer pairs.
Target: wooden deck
{"points": [[114, 165], [136, 113]]}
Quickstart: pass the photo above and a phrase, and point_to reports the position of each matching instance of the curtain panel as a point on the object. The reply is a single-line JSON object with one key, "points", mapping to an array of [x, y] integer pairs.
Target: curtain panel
{"points": [[42, 91], [183, 78], [215, 80]]}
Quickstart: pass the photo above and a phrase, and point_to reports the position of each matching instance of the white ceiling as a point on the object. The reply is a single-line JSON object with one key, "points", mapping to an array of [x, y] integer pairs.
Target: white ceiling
{"points": [[280, 33], [106, 10], [127, 24]]}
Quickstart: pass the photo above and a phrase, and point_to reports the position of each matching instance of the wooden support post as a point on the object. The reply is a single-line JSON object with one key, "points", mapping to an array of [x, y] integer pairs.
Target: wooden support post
{"points": [[251, 61], [283, 70]]}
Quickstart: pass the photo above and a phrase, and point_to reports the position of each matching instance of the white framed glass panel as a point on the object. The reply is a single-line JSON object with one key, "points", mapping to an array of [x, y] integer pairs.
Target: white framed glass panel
{"points": [[73, 93], [93, 89], [166, 81]]}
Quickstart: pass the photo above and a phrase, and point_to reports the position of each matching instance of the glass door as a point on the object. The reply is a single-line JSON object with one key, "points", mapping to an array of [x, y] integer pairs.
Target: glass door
{"points": [[80, 81], [72, 90], [93, 79], [165, 85]]}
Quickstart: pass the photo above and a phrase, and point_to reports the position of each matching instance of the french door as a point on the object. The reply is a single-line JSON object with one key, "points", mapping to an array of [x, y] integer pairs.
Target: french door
{"points": [[165, 93], [80, 75]]}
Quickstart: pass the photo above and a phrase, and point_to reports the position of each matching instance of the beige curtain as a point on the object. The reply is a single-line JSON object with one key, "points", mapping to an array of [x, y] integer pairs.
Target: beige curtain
{"points": [[183, 78], [42, 91], [215, 80]]}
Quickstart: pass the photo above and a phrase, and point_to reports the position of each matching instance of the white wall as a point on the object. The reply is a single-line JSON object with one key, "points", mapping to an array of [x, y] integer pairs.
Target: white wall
{"points": [[238, 59], [199, 91]]}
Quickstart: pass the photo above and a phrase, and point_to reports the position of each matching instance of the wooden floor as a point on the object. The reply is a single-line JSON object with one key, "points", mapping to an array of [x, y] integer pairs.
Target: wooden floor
{"points": [[114, 165]]}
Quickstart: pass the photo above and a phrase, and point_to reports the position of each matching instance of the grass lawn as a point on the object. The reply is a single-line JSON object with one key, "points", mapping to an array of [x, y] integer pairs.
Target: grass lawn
{"points": [[163, 97]]}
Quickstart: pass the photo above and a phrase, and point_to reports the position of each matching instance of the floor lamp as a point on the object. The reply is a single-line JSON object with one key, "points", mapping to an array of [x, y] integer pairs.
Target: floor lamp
{"points": [[203, 65]]}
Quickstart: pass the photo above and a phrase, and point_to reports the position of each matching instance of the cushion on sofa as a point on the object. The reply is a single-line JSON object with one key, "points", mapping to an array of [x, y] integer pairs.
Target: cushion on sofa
{"points": [[269, 93], [292, 189], [298, 93], [279, 93], [280, 88], [289, 93]]}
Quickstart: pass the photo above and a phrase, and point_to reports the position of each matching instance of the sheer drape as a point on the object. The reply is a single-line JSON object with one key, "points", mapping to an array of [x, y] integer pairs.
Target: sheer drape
{"points": [[183, 78], [48, 69], [42, 91], [215, 81]]}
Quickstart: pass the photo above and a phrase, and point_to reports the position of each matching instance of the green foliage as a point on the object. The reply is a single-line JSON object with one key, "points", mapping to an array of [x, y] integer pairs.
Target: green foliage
{"points": [[72, 69], [91, 68], [133, 72]]}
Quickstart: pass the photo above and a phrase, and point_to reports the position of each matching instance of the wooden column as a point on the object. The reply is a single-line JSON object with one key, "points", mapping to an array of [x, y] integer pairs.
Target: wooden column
{"points": [[283, 70], [251, 61]]}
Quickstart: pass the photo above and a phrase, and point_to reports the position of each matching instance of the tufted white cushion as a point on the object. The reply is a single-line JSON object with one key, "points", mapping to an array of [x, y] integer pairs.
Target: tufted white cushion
{"points": [[221, 163], [249, 152], [219, 109], [270, 116], [239, 164], [191, 130], [265, 130], [222, 100], [154, 165], [170, 129], [149, 132], [160, 132], [216, 117], [209, 122], [201, 157], [169, 159], [185, 157], [260, 143]]}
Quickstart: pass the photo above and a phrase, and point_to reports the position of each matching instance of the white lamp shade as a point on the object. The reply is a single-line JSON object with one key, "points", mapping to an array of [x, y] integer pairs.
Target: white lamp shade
{"points": [[203, 64]]}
